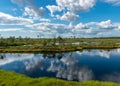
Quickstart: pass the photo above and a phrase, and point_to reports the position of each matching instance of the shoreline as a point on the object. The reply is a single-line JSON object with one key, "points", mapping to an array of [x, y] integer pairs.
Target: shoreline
{"points": [[51, 50]]}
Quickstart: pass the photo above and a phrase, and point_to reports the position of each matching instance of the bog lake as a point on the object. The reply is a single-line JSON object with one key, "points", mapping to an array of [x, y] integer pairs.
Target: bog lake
{"points": [[102, 65]]}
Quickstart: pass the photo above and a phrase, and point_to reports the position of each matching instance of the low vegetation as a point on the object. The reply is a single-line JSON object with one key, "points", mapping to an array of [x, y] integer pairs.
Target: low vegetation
{"points": [[39, 45], [13, 79]]}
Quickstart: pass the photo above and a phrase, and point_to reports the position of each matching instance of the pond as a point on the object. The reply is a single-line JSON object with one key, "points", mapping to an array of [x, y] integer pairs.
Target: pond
{"points": [[100, 65]]}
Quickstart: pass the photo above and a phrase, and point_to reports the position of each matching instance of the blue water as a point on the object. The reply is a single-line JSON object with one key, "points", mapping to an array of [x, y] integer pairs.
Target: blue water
{"points": [[100, 65]]}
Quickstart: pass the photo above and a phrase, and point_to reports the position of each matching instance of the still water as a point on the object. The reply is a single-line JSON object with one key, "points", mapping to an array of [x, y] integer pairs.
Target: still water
{"points": [[100, 65]]}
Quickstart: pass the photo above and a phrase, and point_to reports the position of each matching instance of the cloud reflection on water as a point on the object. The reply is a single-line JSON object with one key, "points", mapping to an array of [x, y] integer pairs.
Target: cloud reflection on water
{"points": [[70, 71], [101, 53], [65, 66], [36, 63], [114, 77], [9, 58]]}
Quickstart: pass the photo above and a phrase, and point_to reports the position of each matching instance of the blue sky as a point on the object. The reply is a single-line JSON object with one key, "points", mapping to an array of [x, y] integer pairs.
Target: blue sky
{"points": [[66, 18]]}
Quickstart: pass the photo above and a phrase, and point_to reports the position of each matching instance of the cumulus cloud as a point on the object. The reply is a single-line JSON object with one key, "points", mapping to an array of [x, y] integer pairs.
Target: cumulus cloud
{"points": [[81, 26], [6, 19], [51, 29], [65, 10], [114, 2], [11, 29], [53, 8], [107, 25], [44, 20], [118, 24], [32, 13], [71, 17], [61, 29], [91, 29], [75, 5], [70, 8], [30, 8]]}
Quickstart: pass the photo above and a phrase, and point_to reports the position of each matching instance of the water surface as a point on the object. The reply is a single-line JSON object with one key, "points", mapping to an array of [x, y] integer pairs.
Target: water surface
{"points": [[100, 65]]}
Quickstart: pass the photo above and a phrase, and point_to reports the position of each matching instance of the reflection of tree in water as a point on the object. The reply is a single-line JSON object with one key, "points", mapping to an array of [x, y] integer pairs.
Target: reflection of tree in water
{"points": [[2, 56], [58, 56]]}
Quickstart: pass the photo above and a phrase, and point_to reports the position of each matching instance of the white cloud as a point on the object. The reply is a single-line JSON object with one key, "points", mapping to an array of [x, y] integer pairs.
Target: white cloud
{"points": [[29, 12], [6, 19], [119, 27], [50, 27], [81, 26], [72, 5], [91, 29], [32, 13], [53, 8], [71, 17], [11, 29], [114, 2], [98, 29], [30, 8], [107, 25], [70, 8], [85, 30], [44, 20], [76, 5]]}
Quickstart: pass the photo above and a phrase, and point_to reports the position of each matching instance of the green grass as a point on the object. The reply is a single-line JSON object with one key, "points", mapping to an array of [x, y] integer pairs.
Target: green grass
{"points": [[14, 79]]}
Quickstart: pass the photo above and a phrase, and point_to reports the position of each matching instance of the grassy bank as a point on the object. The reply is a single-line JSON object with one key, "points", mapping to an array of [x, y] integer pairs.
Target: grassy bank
{"points": [[38, 49], [13, 79]]}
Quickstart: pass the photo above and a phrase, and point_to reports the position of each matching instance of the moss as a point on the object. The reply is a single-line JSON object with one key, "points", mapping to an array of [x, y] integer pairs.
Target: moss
{"points": [[14, 79]]}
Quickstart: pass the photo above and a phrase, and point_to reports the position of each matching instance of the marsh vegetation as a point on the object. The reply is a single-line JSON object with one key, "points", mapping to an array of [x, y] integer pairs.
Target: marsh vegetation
{"points": [[58, 44]]}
